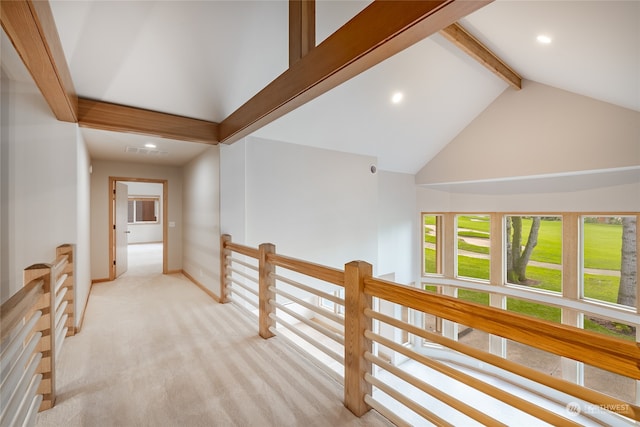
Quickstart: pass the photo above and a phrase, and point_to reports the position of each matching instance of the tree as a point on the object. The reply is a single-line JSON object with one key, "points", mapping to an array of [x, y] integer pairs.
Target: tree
{"points": [[517, 256], [628, 263]]}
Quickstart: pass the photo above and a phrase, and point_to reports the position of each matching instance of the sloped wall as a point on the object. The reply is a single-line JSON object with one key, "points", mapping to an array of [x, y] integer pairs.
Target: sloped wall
{"points": [[538, 130]]}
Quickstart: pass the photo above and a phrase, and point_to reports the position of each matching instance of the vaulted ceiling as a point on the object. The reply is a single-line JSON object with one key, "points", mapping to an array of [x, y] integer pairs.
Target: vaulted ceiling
{"points": [[206, 59]]}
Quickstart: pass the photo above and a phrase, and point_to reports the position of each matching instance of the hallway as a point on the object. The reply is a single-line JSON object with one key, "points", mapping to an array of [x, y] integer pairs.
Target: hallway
{"points": [[157, 351]]}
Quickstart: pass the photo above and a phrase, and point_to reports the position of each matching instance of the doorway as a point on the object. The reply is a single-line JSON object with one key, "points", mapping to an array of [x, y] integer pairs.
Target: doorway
{"points": [[119, 226]]}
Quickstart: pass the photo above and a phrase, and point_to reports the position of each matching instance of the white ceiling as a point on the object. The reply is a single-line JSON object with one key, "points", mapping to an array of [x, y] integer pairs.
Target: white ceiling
{"points": [[204, 59]]}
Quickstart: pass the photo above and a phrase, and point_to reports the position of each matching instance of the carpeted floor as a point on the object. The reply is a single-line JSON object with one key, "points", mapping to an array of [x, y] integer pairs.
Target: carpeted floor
{"points": [[157, 351]]}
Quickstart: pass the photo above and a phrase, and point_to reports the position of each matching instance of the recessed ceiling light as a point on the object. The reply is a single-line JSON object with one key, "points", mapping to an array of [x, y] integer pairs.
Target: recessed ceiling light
{"points": [[150, 145], [543, 39], [397, 97]]}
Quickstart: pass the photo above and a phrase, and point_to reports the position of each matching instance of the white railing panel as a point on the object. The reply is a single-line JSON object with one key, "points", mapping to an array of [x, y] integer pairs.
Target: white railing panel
{"points": [[30, 419], [60, 282], [60, 314], [18, 394], [24, 411], [16, 343], [60, 297], [16, 369]]}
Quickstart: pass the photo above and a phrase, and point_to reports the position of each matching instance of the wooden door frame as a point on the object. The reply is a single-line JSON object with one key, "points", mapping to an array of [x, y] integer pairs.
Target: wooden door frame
{"points": [[112, 219]]}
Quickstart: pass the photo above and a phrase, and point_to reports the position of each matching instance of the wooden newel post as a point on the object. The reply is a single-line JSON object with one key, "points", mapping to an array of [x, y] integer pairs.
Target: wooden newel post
{"points": [[355, 344], [46, 325], [266, 281], [224, 265]]}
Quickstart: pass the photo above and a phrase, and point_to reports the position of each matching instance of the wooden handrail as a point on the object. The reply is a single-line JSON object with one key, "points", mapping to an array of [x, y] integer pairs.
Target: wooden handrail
{"points": [[242, 249], [328, 274], [603, 352], [19, 305]]}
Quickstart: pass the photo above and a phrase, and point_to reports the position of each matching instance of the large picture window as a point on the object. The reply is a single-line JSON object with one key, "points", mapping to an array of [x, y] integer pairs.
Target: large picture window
{"points": [[610, 259], [578, 269], [533, 251]]}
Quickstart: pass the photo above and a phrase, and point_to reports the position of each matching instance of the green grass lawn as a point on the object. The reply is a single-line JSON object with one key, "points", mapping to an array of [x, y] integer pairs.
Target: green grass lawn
{"points": [[602, 242], [549, 247], [603, 288], [474, 222]]}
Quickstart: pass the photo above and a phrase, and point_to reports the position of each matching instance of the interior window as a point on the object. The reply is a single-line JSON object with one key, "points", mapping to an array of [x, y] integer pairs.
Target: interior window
{"points": [[143, 210]]}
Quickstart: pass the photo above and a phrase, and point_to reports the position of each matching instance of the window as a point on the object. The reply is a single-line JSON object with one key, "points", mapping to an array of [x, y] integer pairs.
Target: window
{"points": [[609, 259], [472, 232], [432, 244], [143, 210], [533, 251]]}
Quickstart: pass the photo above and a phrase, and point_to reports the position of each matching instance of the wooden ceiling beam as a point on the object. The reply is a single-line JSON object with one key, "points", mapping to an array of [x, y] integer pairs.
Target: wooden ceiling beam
{"points": [[31, 28], [120, 118], [381, 30], [302, 28], [460, 37]]}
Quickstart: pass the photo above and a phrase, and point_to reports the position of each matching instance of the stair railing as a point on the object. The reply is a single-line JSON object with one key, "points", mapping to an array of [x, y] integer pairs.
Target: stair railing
{"points": [[35, 322], [259, 286]]}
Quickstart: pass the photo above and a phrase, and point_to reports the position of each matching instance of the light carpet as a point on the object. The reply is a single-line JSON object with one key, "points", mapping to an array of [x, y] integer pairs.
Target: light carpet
{"points": [[157, 351]]}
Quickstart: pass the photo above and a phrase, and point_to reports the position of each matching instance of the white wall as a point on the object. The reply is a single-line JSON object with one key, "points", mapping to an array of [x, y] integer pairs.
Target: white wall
{"points": [[83, 226], [398, 227], [233, 201], [320, 205], [201, 216], [102, 170], [146, 233], [45, 178], [314, 204]]}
